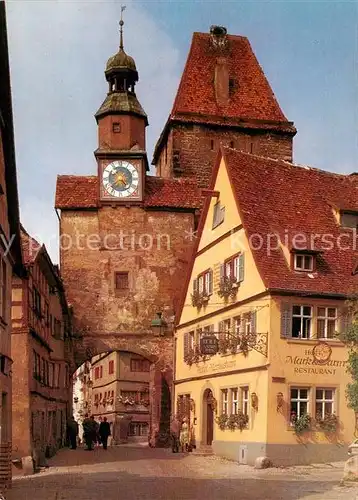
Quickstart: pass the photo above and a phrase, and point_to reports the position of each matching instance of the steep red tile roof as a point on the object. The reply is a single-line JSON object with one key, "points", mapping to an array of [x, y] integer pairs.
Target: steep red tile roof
{"points": [[252, 98], [30, 247], [275, 197], [252, 102], [78, 192]]}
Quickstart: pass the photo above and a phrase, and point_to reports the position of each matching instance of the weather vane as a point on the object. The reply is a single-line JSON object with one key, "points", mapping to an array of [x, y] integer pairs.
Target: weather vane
{"points": [[121, 22]]}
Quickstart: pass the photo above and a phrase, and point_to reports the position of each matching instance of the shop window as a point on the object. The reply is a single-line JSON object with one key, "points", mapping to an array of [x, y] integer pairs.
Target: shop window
{"points": [[301, 322], [299, 402], [326, 322], [245, 400], [324, 402]]}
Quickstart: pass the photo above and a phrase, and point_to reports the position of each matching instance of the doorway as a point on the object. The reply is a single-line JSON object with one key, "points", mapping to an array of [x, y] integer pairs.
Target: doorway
{"points": [[208, 418]]}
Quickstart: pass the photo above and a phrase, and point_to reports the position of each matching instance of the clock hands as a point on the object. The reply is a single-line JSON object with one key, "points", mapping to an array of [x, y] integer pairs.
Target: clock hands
{"points": [[121, 180]]}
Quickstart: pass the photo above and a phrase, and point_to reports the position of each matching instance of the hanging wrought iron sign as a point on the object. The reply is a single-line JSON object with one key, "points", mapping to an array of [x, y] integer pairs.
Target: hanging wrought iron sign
{"points": [[209, 345]]}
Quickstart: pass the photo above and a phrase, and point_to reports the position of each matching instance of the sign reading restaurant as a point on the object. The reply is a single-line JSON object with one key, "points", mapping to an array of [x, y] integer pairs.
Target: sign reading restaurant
{"points": [[316, 361]]}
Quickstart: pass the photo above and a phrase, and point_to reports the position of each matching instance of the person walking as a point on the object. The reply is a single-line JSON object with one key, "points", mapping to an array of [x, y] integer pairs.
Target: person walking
{"points": [[184, 435], [174, 432], [72, 432], [89, 431], [104, 432]]}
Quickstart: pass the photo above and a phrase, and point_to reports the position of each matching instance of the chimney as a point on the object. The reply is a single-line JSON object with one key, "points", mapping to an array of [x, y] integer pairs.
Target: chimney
{"points": [[221, 81], [219, 42]]}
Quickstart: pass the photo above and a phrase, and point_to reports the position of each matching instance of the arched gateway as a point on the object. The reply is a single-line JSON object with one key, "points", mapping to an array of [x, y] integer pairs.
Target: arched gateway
{"points": [[159, 351]]}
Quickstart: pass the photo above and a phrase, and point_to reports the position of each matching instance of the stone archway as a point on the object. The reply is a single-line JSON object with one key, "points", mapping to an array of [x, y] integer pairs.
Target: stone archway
{"points": [[159, 351], [208, 407]]}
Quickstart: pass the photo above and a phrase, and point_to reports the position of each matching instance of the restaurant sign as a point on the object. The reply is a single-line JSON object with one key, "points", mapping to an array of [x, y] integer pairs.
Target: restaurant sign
{"points": [[209, 345], [316, 361]]}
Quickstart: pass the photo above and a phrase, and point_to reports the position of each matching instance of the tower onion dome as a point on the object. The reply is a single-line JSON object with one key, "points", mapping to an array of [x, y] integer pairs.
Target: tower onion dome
{"points": [[122, 75], [121, 64]]}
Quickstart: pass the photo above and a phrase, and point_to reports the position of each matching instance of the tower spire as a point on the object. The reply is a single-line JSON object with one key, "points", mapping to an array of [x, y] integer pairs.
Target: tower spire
{"points": [[121, 22]]}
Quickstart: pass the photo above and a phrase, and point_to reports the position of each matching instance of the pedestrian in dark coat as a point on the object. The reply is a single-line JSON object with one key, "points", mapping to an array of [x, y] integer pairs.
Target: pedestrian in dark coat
{"points": [[104, 432], [72, 432], [89, 431]]}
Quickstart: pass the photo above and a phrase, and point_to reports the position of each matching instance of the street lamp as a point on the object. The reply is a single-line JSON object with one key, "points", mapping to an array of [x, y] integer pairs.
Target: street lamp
{"points": [[158, 324]]}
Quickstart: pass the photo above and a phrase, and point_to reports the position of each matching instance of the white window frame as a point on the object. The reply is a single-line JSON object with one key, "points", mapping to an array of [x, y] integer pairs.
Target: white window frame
{"points": [[236, 267], [299, 399], [225, 401], [326, 320], [234, 401], [325, 400], [245, 400], [201, 283], [303, 317], [207, 283], [306, 259]]}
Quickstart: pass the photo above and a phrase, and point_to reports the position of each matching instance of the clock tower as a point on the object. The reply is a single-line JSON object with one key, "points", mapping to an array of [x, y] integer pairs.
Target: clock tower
{"points": [[121, 156]]}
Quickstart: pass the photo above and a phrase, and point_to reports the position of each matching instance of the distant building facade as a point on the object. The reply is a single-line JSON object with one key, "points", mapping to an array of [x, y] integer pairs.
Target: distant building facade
{"points": [[41, 349], [121, 387], [10, 251]]}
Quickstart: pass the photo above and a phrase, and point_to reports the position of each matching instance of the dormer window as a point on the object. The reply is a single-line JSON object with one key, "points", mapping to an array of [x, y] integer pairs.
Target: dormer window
{"points": [[219, 214], [349, 219], [303, 262]]}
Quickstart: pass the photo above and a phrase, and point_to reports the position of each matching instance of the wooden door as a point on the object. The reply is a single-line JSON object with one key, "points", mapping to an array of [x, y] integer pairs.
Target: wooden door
{"points": [[210, 425]]}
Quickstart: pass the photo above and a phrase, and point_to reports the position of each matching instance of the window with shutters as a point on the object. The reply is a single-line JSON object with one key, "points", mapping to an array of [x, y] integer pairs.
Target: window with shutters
{"points": [[326, 322], [218, 214], [234, 267], [301, 321], [205, 282]]}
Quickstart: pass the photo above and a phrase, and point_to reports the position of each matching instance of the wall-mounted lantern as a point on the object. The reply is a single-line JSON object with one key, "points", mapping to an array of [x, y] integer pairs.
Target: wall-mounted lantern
{"points": [[158, 324], [254, 401], [279, 401]]}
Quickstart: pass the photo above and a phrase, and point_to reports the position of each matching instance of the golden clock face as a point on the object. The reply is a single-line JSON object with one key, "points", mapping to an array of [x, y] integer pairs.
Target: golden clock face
{"points": [[120, 179]]}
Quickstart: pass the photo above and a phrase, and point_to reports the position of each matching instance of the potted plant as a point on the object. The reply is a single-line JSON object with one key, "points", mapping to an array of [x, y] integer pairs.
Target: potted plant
{"points": [[223, 345], [329, 423], [226, 288], [221, 420], [302, 423]]}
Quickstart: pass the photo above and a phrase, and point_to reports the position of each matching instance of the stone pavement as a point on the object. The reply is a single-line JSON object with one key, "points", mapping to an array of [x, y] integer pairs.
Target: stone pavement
{"points": [[137, 472]]}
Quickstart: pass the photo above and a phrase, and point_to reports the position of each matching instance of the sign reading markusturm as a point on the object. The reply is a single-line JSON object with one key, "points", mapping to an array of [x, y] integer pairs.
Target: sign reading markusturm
{"points": [[209, 345]]}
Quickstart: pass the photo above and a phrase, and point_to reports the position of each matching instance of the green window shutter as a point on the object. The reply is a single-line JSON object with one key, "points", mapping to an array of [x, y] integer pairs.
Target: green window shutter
{"points": [[221, 330], [195, 285], [241, 268], [186, 344], [286, 320]]}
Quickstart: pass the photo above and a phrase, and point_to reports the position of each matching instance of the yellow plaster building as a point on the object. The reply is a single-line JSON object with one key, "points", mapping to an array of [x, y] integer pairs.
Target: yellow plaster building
{"points": [[274, 298]]}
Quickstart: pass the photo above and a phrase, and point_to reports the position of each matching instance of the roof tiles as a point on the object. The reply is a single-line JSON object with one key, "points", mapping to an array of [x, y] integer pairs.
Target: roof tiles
{"points": [[76, 192], [278, 198]]}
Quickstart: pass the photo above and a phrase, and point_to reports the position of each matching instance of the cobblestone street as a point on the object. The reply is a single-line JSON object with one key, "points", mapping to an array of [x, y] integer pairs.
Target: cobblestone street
{"points": [[133, 472]]}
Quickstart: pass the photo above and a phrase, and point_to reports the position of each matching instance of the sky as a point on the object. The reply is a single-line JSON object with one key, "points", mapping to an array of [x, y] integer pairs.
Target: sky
{"points": [[58, 51]]}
